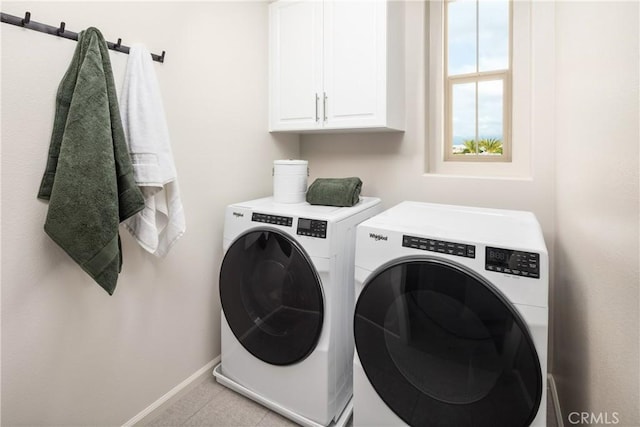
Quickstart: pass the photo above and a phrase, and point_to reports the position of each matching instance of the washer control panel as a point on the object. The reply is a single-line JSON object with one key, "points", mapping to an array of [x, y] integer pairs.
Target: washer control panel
{"points": [[272, 219], [312, 228], [518, 263], [440, 246]]}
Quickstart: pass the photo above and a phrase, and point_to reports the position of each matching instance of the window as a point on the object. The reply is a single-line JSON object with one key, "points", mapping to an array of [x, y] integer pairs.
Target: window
{"points": [[477, 80], [530, 89]]}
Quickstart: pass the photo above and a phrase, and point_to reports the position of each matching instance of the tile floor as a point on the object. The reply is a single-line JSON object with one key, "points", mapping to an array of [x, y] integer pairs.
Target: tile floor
{"points": [[211, 404]]}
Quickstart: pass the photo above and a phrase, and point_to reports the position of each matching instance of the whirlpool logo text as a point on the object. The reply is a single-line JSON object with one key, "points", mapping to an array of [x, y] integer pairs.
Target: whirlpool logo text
{"points": [[378, 237]]}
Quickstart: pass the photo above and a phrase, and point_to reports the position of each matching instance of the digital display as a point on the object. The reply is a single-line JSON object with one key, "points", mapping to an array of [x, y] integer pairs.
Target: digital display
{"points": [[497, 256], [304, 224], [526, 264]]}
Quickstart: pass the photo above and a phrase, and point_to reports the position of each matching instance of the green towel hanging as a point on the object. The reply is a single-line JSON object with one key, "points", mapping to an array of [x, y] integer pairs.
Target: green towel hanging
{"points": [[89, 178]]}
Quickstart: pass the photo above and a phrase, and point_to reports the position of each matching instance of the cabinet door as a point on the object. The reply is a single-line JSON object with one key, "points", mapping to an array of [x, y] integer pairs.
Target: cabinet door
{"points": [[295, 56], [355, 63]]}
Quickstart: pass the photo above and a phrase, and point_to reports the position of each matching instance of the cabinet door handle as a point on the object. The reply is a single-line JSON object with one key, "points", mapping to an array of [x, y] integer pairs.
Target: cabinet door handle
{"points": [[324, 106], [317, 116]]}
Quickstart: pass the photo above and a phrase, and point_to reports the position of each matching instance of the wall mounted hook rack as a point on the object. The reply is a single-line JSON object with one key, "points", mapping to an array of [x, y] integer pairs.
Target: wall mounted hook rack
{"points": [[60, 31]]}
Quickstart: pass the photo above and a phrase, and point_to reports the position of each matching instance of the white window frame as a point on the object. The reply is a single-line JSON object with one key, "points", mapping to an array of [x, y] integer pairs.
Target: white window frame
{"points": [[476, 77], [521, 94]]}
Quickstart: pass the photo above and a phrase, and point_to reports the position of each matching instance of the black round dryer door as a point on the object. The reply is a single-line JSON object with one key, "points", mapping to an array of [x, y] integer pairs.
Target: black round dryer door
{"points": [[271, 297], [442, 347]]}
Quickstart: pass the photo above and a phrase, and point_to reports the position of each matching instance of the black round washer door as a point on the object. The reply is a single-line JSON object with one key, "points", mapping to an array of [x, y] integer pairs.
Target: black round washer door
{"points": [[271, 297], [443, 347]]}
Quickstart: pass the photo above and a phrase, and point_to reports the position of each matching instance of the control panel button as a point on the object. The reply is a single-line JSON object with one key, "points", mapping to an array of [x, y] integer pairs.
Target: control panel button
{"points": [[439, 246], [509, 261], [312, 228], [272, 219]]}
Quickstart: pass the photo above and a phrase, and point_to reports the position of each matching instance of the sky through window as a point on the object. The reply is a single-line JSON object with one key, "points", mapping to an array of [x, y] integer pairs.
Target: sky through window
{"points": [[478, 41]]}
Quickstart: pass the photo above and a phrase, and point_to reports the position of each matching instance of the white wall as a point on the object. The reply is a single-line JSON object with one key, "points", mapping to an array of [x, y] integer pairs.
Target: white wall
{"points": [[71, 354], [597, 279]]}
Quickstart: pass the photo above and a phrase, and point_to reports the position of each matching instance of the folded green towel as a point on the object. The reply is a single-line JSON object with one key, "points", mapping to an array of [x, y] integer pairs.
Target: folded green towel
{"points": [[334, 191], [89, 178]]}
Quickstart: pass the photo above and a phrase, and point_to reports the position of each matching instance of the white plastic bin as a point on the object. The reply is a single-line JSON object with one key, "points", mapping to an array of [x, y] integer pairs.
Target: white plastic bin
{"points": [[290, 180]]}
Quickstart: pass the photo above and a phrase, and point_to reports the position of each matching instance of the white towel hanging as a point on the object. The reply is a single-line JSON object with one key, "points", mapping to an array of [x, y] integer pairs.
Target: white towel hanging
{"points": [[161, 223]]}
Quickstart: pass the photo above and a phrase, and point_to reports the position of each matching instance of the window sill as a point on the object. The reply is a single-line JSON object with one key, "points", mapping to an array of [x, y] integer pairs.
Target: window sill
{"points": [[431, 175]]}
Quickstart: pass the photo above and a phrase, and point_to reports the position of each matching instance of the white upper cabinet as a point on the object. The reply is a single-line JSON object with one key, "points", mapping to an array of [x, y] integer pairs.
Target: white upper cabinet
{"points": [[336, 65]]}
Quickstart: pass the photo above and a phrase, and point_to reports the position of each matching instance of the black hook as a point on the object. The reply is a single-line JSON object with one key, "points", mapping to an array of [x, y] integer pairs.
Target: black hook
{"points": [[61, 29], [162, 57], [117, 45], [27, 18]]}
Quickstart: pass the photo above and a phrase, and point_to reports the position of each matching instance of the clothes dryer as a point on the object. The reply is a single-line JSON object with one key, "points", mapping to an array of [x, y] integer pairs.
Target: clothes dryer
{"points": [[287, 295], [451, 318]]}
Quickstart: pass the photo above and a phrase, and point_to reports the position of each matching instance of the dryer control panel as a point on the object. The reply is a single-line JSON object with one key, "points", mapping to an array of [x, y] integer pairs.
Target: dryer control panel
{"points": [[312, 228], [441, 246], [518, 263], [272, 219]]}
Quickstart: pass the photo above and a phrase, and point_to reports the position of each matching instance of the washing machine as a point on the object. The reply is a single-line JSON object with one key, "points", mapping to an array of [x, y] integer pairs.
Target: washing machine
{"points": [[287, 296], [451, 318]]}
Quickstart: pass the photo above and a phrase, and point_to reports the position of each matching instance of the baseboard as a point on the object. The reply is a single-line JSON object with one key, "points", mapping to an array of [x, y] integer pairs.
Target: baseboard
{"points": [[173, 395], [556, 402]]}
